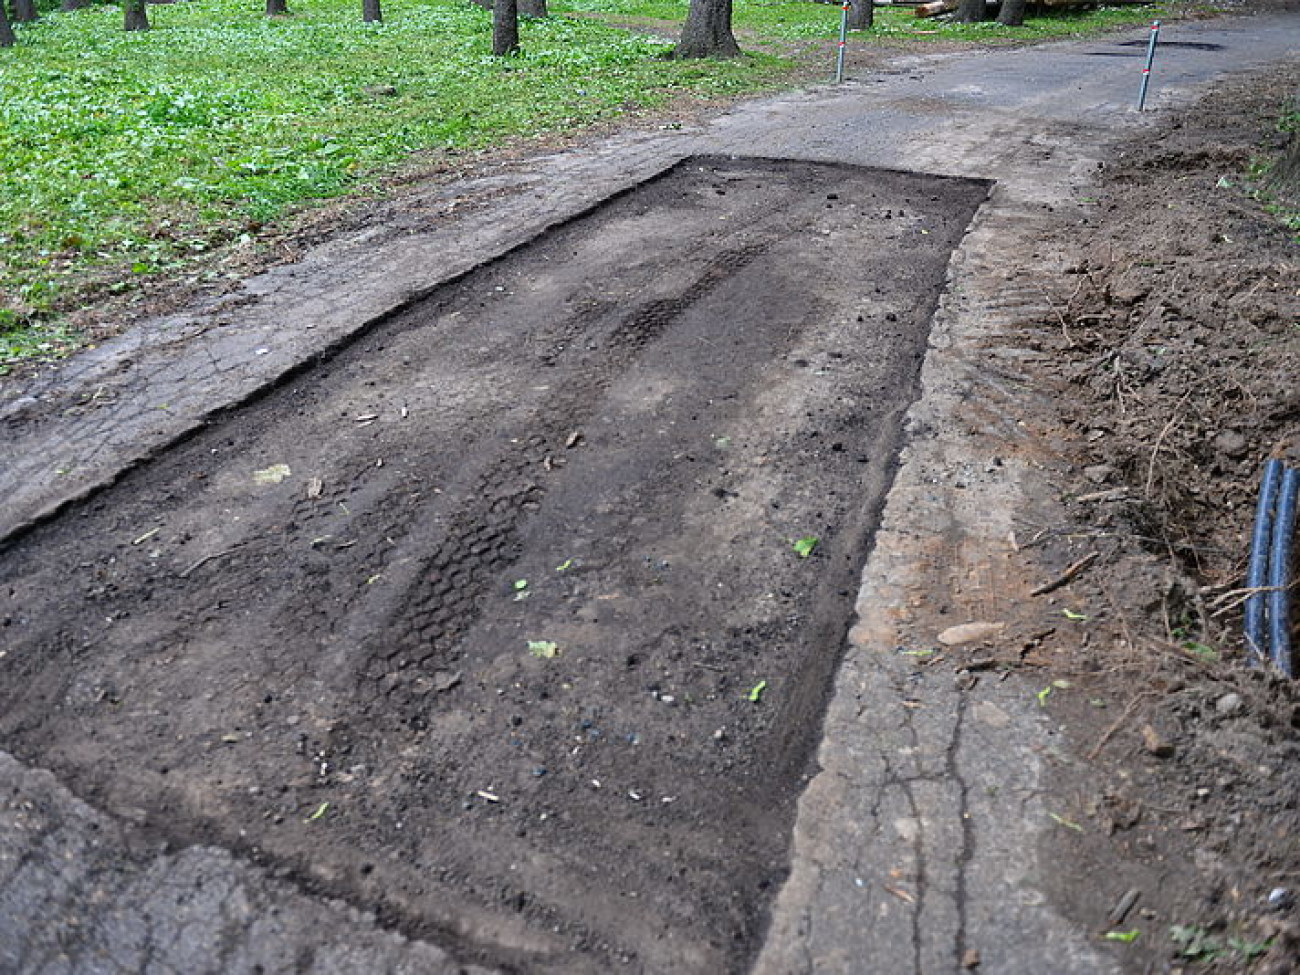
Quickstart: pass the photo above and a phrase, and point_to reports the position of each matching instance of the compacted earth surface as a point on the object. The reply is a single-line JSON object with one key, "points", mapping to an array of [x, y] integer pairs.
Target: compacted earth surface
{"points": [[512, 621], [550, 567], [1172, 362]]}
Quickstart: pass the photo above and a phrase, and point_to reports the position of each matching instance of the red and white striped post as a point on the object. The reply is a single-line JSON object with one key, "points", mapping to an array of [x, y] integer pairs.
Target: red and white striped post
{"points": [[1146, 71], [844, 33]]}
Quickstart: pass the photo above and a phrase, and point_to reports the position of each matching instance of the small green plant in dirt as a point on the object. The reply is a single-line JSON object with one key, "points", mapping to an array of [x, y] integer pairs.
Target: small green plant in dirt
{"points": [[1200, 944], [1275, 178]]}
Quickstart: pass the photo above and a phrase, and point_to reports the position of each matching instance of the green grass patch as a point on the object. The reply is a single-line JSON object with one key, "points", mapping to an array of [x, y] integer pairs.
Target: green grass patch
{"points": [[131, 155], [127, 154]]}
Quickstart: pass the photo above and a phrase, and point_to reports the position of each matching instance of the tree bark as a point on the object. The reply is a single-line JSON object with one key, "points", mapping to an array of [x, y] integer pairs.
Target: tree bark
{"points": [[135, 17], [7, 38], [971, 12], [862, 14], [707, 32], [371, 12], [1012, 13], [505, 28], [533, 8], [277, 8], [25, 12]]}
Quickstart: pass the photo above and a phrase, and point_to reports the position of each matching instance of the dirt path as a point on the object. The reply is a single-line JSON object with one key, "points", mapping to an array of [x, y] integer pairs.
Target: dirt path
{"points": [[608, 443], [491, 624]]}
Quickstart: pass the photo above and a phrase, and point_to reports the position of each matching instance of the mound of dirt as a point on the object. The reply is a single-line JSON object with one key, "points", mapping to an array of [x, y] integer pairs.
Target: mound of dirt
{"points": [[1178, 341]]}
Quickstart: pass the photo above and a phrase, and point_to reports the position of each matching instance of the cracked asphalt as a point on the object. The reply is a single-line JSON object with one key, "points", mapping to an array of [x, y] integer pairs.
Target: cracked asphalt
{"points": [[916, 841]]}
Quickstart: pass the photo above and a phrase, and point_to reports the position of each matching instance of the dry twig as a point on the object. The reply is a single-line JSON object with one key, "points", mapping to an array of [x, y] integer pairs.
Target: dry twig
{"points": [[1068, 575], [1119, 723]]}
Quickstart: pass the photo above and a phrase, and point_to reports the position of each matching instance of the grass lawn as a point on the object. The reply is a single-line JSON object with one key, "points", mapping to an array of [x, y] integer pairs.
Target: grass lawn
{"points": [[128, 155]]}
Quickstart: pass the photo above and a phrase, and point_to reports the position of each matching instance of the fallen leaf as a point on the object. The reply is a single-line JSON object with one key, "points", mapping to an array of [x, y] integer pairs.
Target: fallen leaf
{"points": [[320, 811], [804, 546], [1067, 823], [546, 649], [756, 692], [272, 475], [1128, 937]]}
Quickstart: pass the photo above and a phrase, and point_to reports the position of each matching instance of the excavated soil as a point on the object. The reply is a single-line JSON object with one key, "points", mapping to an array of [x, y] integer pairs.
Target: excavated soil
{"points": [[1174, 356], [492, 622]]}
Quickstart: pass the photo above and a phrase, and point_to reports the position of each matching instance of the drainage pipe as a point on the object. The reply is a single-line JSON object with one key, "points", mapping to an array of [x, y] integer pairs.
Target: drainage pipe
{"points": [[1257, 570], [1279, 572]]}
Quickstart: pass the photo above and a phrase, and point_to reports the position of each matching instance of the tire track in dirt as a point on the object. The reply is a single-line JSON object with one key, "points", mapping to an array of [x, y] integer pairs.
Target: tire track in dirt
{"points": [[326, 669]]}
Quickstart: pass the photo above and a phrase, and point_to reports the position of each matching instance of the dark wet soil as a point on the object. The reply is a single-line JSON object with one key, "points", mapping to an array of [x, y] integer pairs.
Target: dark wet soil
{"points": [[493, 622], [1177, 350]]}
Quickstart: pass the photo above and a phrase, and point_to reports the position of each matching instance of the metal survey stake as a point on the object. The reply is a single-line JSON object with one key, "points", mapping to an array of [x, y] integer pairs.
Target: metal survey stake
{"points": [[1151, 56], [844, 33]]}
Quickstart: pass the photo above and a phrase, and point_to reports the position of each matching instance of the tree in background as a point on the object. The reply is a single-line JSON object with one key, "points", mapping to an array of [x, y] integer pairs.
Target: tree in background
{"points": [[277, 8], [371, 13], [707, 32], [505, 28], [25, 11], [67, 6], [862, 14], [135, 17], [533, 8], [1012, 13], [970, 12], [6, 29]]}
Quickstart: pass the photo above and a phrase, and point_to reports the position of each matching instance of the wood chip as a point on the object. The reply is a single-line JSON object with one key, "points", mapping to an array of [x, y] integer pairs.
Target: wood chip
{"points": [[1154, 743], [901, 894], [955, 636], [314, 488], [1125, 904], [971, 959]]}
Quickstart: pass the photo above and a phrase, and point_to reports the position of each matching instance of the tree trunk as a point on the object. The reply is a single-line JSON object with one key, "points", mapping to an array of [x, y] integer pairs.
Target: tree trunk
{"points": [[25, 11], [7, 38], [533, 8], [862, 14], [971, 12], [935, 8], [707, 32], [505, 28], [277, 8], [1012, 13], [70, 5], [371, 13], [134, 15]]}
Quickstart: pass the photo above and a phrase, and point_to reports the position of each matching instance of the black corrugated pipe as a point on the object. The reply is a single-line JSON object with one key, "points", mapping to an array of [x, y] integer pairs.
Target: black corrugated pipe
{"points": [[1261, 541], [1279, 572]]}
